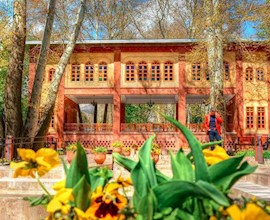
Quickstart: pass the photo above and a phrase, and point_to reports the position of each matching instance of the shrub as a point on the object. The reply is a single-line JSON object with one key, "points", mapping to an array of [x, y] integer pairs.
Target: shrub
{"points": [[100, 149]]}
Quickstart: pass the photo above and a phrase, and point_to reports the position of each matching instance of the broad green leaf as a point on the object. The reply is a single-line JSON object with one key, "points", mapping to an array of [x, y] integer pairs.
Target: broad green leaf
{"points": [[161, 178], [148, 205], [140, 184], [224, 168], [201, 169], [184, 215], [127, 163], [78, 168], [174, 193], [227, 182], [147, 162], [82, 193], [181, 167]]}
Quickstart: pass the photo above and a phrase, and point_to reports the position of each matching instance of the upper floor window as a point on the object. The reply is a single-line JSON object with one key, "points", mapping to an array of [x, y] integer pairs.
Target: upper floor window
{"points": [[168, 71], [155, 71], [249, 74], [261, 117], [142, 71], [226, 71], [130, 71], [196, 71], [250, 117], [102, 71], [89, 72], [51, 74], [75, 72], [260, 74]]}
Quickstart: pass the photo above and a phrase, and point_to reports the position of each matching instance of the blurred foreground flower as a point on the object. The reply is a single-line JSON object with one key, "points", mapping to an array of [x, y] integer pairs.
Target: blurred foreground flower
{"points": [[215, 156], [251, 212], [39, 162]]}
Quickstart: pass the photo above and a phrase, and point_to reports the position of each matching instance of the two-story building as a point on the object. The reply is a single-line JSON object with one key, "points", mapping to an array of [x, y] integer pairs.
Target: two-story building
{"points": [[120, 72]]}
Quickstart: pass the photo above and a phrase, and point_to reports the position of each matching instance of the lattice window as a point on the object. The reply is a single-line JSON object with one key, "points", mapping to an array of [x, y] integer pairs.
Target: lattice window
{"points": [[155, 71], [51, 74], [102, 71], [168, 71], [130, 71], [260, 74], [142, 71], [261, 117], [75, 72], [196, 71], [226, 71], [250, 117], [249, 74], [89, 72]]}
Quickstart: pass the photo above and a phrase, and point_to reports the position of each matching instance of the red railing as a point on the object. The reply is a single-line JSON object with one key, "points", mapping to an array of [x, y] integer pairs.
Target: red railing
{"points": [[85, 127], [147, 127], [196, 127]]}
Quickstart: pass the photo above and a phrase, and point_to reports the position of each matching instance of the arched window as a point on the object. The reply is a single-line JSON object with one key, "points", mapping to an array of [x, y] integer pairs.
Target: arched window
{"points": [[51, 74], [75, 72], [102, 71], [89, 72], [196, 71], [142, 71], [155, 71], [260, 74], [249, 74], [226, 71], [130, 71], [168, 71]]}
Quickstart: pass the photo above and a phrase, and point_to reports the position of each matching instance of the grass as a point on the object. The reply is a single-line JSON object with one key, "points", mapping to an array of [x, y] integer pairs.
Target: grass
{"points": [[251, 153]]}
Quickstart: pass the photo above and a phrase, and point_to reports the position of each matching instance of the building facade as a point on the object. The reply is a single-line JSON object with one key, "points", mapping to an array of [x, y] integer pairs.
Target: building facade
{"points": [[121, 72]]}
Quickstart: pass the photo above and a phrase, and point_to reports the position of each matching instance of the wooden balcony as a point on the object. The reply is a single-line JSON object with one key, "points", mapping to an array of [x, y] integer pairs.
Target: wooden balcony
{"points": [[88, 128], [196, 127], [147, 127]]}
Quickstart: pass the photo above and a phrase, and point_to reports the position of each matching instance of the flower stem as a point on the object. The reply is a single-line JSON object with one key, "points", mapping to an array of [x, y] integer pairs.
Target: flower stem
{"points": [[42, 186]]}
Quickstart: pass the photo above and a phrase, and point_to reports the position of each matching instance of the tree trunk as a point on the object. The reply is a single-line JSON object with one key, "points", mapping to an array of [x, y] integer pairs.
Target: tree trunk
{"points": [[215, 54], [53, 89], [80, 114], [33, 107], [95, 113], [12, 95]]}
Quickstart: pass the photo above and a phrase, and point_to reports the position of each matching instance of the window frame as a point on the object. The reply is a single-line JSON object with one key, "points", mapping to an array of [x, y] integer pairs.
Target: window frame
{"points": [[142, 72], [75, 73], [168, 71], [89, 72], [102, 72], [250, 117], [196, 73], [130, 72]]}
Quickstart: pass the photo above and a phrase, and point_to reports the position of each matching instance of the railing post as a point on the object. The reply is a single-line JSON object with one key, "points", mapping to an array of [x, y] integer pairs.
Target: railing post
{"points": [[259, 151], [9, 148]]}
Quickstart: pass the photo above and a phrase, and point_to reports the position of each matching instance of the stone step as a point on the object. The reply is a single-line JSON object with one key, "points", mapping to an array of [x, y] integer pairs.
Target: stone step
{"points": [[249, 189]]}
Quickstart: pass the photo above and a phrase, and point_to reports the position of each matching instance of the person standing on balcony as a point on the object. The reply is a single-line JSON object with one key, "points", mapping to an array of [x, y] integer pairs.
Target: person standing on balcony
{"points": [[212, 124]]}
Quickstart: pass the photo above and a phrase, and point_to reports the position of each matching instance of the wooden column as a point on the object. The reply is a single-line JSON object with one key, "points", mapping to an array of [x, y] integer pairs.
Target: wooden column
{"points": [[123, 113], [238, 124], [268, 85], [116, 95], [60, 113]]}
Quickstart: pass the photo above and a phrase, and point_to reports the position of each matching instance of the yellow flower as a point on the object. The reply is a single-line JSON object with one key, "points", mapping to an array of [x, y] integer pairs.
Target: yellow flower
{"points": [[107, 203], [215, 156], [251, 212], [60, 205], [39, 162], [59, 185], [124, 182]]}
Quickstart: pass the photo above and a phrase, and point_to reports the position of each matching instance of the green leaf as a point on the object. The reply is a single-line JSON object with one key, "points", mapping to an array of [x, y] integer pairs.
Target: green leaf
{"points": [[78, 168], [40, 200], [227, 181], [146, 162], [64, 165], [181, 167], [174, 193], [201, 169], [99, 176], [224, 168], [82, 193], [161, 178], [185, 215], [148, 205], [128, 164]]}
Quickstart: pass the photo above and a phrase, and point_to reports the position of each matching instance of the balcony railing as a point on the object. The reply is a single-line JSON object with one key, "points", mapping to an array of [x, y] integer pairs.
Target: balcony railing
{"points": [[196, 127], [85, 127], [147, 127]]}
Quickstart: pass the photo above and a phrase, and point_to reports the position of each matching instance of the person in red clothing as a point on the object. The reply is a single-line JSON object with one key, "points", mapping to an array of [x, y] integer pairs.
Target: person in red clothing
{"points": [[212, 124]]}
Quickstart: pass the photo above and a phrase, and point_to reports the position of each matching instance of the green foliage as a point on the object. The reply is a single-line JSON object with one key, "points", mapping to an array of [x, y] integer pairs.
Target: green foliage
{"points": [[251, 153], [137, 113], [191, 193], [100, 149]]}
